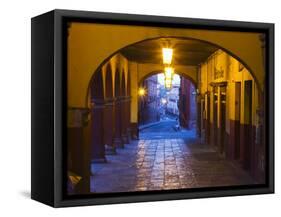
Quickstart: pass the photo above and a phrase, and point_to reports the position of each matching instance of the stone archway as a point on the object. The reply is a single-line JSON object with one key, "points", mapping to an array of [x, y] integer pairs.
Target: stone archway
{"points": [[187, 97], [109, 121], [83, 40], [97, 119]]}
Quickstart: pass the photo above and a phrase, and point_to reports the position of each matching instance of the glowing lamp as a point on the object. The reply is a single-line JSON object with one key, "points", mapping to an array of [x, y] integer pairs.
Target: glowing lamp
{"points": [[141, 91], [164, 101], [169, 73], [168, 83], [167, 55]]}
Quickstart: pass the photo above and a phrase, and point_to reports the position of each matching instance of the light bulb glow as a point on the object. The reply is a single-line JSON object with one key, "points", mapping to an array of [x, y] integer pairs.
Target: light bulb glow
{"points": [[167, 55], [168, 83], [141, 91], [168, 86], [169, 72], [164, 101]]}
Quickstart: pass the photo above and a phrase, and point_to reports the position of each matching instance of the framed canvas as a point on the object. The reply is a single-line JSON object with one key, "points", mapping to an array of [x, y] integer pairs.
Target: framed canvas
{"points": [[133, 108]]}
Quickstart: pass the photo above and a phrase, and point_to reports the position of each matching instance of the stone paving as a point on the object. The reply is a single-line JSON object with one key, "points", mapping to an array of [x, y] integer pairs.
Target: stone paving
{"points": [[159, 164]]}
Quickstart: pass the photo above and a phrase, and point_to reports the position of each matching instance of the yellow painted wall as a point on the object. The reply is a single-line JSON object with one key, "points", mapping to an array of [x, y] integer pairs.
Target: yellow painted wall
{"points": [[90, 44], [242, 76], [230, 66]]}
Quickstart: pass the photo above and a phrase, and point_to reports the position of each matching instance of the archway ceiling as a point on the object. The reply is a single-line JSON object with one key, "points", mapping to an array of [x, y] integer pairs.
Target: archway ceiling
{"points": [[186, 52]]}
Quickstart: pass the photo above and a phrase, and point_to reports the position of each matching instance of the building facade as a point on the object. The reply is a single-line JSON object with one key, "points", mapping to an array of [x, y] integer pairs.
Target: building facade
{"points": [[172, 100], [230, 106], [149, 103], [187, 104]]}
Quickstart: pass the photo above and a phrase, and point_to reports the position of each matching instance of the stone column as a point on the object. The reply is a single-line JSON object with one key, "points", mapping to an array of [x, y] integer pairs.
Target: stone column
{"points": [[207, 118], [83, 186], [124, 119], [108, 127], [97, 141], [78, 150], [117, 123], [199, 114], [187, 105], [74, 139], [128, 118], [129, 130]]}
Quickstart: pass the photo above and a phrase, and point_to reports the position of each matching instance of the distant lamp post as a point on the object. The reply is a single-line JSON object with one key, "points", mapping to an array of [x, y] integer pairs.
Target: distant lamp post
{"points": [[167, 55], [141, 91]]}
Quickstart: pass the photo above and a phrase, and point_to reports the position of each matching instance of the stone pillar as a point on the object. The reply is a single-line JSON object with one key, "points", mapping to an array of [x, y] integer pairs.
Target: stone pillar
{"points": [[124, 119], [128, 117], [117, 123], [199, 115], [78, 150], [134, 131], [129, 130], [74, 139], [83, 186], [108, 126], [97, 141], [207, 118], [187, 105]]}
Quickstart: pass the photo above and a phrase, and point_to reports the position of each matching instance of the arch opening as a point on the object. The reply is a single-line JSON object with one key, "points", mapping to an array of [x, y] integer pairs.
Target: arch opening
{"points": [[216, 100], [167, 112], [227, 51]]}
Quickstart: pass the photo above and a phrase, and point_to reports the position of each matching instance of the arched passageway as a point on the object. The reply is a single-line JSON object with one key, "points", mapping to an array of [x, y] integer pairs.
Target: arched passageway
{"points": [[167, 113], [218, 98]]}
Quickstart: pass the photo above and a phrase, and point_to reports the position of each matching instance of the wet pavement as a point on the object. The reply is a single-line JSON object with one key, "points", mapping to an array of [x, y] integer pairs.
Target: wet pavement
{"points": [[165, 129], [172, 162]]}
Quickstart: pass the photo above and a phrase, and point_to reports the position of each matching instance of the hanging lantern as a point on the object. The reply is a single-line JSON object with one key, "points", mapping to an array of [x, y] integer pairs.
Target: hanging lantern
{"points": [[169, 73], [168, 70], [167, 55], [168, 83]]}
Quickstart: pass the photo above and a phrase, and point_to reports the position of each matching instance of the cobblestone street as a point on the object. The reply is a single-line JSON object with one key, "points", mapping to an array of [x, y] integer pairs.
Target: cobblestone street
{"points": [[157, 164]]}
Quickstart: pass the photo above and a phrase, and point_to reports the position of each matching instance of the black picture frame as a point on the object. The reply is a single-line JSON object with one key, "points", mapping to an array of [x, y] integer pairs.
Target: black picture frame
{"points": [[48, 69]]}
